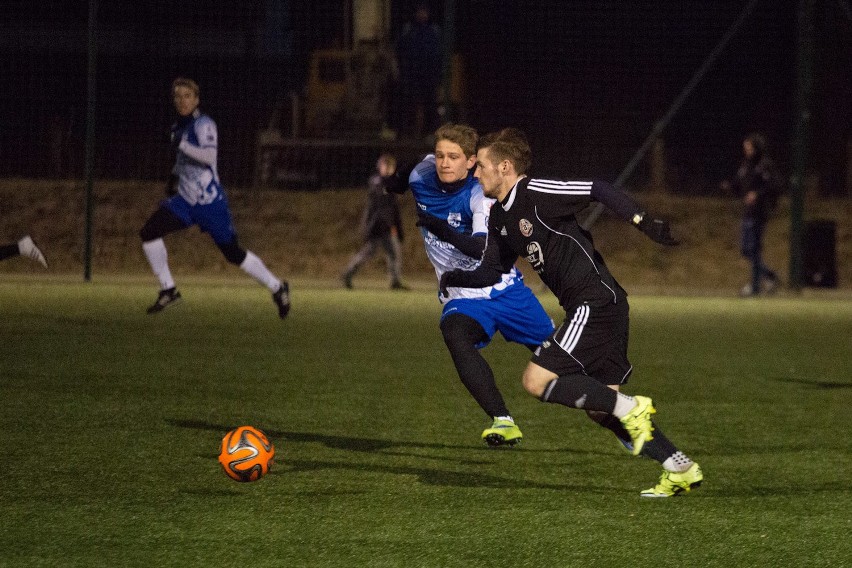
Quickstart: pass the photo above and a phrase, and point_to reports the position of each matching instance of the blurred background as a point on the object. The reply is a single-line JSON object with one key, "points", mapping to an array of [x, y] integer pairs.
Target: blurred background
{"points": [[306, 93], [586, 79]]}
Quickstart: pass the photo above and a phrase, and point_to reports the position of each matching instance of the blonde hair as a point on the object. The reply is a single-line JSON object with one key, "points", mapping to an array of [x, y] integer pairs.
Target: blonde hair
{"points": [[188, 83], [465, 136]]}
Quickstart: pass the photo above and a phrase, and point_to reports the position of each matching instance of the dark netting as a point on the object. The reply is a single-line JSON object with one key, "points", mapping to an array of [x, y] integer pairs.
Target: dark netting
{"points": [[586, 79]]}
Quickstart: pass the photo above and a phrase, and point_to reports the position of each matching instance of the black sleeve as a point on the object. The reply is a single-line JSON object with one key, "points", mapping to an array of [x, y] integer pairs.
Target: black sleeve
{"points": [[471, 245], [615, 199], [497, 260], [398, 182]]}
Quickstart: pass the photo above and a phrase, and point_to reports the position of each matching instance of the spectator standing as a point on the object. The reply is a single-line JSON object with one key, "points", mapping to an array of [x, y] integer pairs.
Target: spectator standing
{"points": [[759, 183], [381, 225]]}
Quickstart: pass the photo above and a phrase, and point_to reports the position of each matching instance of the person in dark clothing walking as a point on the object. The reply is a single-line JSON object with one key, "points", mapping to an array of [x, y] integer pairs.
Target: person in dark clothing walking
{"points": [[381, 225], [759, 183]]}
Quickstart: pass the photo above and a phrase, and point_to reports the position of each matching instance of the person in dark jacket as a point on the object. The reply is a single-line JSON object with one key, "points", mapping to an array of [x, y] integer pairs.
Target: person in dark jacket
{"points": [[759, 184], [381, 225]]}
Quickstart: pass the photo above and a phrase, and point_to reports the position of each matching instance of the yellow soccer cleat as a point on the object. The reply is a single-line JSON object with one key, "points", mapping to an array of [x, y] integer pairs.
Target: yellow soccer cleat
{"points": [[672, 484], [502, 433], [637, 422]]}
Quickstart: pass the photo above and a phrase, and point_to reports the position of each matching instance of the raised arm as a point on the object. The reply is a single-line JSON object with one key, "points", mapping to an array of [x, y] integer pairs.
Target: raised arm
{"points": [[625, 207]]}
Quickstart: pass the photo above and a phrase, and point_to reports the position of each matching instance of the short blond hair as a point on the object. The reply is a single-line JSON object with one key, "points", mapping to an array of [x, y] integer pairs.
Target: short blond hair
{"points": [[465, 136], [188, 83]]}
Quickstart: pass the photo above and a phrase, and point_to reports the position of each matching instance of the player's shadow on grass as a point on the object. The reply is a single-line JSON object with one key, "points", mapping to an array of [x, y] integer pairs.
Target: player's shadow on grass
{"points": [[825, 385], [429, 476], [425, 475], [355, 444], [333, 442]]}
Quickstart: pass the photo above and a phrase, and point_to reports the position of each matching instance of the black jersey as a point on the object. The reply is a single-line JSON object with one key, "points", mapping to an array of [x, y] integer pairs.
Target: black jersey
{"points": [[537, 220]]}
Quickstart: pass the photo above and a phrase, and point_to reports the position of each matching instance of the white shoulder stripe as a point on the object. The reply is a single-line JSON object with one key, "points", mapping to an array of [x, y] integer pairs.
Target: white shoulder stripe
{"points": [[563, 187]]}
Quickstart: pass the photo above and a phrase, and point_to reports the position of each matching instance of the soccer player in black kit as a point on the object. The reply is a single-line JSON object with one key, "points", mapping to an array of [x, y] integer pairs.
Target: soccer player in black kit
{"points": [[583, 364]]}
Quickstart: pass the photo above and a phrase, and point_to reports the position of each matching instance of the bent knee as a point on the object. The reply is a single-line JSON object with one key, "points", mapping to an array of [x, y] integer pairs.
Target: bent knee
{"points": [[232, 252], [461, 332], [148, 233], [536, 379]]}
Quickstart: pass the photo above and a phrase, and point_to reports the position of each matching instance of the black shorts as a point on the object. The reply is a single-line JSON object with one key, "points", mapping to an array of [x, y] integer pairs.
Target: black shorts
{"points": [[592, 341]]}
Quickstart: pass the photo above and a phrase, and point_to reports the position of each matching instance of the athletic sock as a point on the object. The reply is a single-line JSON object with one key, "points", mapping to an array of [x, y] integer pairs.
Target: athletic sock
{"points": [[661, 449], [623, 405], [580, 391], [254, 267], [678, 463], [461, 335], [158, 258], [478, 379], [614, 425]]}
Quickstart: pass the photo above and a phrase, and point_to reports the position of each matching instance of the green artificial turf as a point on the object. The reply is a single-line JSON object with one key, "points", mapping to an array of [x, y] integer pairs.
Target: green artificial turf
{"points": [[112, 419]]}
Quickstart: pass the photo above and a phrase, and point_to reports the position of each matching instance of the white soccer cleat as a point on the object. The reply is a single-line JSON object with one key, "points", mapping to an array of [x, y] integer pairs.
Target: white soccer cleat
{"points": [[28, 248]]}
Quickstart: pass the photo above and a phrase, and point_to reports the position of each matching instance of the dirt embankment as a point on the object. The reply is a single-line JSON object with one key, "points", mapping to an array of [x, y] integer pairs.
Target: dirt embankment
{"points": [[312, 235]]}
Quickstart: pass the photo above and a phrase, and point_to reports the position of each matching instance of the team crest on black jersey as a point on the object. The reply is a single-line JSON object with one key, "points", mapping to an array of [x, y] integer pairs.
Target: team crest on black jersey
{"points": [[526, 227]]}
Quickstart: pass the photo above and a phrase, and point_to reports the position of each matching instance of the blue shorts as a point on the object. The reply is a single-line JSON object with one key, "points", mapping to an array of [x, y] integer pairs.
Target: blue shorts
{"points": [[214, 218], [516, 314]]}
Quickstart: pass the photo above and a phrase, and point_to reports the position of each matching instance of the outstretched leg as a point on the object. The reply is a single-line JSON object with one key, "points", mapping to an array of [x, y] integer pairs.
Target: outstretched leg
{"points": [[252, 265], [24, 247], [462, 334], [367, 250], [161, 223], [680, 473]]}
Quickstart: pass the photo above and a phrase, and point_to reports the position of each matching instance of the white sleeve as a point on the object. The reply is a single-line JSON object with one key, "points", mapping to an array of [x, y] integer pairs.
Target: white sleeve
{"points": [[480, 206]]}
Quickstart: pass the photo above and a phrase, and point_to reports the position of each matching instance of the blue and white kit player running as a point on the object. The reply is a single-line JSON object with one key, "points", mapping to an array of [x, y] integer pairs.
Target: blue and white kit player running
{"points": [[197, 198], [453, 220]]}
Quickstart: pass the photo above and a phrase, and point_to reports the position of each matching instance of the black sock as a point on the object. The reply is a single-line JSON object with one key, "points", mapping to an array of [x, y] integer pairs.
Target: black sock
{"points": [[612, 424], [461, 334], [580, 391], [8, 251], [659, 448]]}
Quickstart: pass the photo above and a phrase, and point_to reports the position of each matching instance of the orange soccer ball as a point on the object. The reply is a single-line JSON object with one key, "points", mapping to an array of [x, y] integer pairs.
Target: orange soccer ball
{"points": [[246, 454]]}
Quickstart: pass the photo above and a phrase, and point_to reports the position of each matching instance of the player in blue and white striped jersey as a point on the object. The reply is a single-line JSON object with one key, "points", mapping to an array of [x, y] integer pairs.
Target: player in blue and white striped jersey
{"points": [[196, 197], [453, 220]]}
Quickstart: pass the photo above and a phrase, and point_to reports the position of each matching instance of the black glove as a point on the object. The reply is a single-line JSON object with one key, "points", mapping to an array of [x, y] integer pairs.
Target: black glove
{"points": [[657, 229], [172, 186], [437, 227]]}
